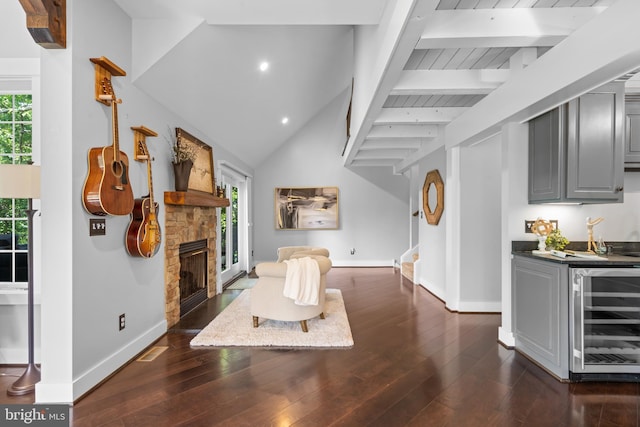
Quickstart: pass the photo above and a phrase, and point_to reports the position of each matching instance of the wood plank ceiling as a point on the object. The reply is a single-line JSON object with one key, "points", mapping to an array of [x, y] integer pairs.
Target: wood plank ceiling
{"points": [[467, 49]]}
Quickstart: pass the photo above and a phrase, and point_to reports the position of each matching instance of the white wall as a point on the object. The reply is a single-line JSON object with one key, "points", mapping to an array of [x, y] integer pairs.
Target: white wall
{"points": [[373, 203], [19, 58], [433, 237], [460, 257], [492, 206], [18, 42], [480, 227]]}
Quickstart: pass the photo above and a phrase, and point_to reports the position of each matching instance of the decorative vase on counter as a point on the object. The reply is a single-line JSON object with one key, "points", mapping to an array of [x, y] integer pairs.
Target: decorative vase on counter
{"points": [[181, 173]]}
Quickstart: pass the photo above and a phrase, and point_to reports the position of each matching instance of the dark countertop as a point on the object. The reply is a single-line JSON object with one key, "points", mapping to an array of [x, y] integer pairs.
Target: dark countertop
{"points": [[616, 259]]}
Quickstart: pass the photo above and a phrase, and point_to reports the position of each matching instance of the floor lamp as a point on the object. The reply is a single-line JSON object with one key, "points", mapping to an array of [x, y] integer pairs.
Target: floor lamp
{"points": [[23, 182]]}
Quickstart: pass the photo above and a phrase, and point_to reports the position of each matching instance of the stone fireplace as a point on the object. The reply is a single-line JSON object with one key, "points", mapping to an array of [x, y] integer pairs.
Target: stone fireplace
{"points": [[188, 218]]}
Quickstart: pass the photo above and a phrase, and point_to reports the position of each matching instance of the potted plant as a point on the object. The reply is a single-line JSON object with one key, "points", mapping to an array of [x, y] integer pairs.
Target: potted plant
{"points": [[555, 240], [182, 158]]}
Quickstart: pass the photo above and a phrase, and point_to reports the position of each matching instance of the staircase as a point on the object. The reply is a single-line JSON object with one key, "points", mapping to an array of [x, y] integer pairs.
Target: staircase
{"points": [[407, 267]]}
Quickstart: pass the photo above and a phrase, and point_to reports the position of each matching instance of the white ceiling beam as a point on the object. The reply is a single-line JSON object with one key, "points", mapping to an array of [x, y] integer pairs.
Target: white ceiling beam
{"points": [[392, 143], [522, 58], [426, 149], [596, 53], [403, 131], [449, 82], [435, 115], [383, 154], [517, 27], [390, 46], [374, 162]]}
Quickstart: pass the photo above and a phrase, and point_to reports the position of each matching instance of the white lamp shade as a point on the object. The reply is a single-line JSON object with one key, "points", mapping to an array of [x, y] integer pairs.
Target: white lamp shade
{"points": [[20, 181]]}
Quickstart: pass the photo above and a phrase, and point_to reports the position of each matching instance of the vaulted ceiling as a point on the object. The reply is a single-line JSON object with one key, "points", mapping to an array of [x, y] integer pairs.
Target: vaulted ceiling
{"points": [[200, 58]]}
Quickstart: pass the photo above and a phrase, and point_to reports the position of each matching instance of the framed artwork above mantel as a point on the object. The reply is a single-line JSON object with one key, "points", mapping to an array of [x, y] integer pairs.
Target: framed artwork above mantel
{"points": [[201, 177]]}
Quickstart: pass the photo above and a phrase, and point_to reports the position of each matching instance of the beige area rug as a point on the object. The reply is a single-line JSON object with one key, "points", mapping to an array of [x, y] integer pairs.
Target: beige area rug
{"points": [[234, 327], [243, 283]]}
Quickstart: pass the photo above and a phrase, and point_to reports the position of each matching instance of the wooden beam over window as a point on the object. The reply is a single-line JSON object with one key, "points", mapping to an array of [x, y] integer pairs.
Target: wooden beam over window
{"points": [[47, 22]]}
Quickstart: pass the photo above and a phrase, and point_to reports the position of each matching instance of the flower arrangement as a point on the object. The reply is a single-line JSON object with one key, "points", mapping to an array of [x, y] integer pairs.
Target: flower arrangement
{"points": [[181, 152], [555, 240]]}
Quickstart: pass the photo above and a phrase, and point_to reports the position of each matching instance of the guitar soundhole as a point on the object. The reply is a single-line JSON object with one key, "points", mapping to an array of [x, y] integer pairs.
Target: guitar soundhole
{"points": [[117, 169]]}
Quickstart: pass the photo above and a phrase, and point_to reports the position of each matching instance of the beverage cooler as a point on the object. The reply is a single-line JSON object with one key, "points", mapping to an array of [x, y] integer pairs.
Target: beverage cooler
{"points": [[605, 324]]}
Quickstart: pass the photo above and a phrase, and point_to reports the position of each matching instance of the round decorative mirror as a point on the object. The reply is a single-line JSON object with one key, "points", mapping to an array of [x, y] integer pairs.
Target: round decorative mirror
{"points": [[433, 197]]}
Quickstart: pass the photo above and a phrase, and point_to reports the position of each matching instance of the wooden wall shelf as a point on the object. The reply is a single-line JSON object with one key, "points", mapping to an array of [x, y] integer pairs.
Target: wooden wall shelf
{"points": [[104, 70], [194, 198], [140, 134]]}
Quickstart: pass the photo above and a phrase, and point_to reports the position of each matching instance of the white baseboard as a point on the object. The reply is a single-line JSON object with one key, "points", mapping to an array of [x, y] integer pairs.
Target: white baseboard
{"points": [[54, 393], [439, 293], [351, 263], [59, 393], [480, 306], [363, 263], [506, 338], [465, 306]]}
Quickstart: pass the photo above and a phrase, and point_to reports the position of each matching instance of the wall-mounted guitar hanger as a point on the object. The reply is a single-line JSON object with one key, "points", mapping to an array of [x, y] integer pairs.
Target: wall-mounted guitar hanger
{"points": [[105, 69]]}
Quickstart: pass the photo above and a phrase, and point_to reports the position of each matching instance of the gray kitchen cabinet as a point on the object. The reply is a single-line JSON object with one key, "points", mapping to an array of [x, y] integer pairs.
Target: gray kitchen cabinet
{"points": [[632, 133], [540, 312], [576, 151]]}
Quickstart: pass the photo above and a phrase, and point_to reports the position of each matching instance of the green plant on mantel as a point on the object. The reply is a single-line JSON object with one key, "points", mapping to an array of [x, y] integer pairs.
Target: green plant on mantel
{"points": [[555, 240]]}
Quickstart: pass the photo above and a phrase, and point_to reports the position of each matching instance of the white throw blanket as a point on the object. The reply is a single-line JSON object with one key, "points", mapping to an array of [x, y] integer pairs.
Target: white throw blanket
{"points": [[302, 283]]}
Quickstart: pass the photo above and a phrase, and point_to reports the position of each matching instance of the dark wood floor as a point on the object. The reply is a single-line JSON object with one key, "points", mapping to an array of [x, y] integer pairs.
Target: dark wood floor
{"points": [[413, 364]]}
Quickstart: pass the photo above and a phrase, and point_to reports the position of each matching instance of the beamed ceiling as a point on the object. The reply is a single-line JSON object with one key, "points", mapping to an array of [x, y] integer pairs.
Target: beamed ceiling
{"points": [[447, 58]]}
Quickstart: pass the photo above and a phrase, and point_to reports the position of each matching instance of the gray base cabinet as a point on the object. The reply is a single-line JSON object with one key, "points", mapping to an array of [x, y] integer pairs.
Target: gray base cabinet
{"points": [[540, 313], [576, 151]]}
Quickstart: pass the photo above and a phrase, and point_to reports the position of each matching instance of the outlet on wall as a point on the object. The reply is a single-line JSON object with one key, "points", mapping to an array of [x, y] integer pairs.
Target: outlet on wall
{"points": [[121, 321]]}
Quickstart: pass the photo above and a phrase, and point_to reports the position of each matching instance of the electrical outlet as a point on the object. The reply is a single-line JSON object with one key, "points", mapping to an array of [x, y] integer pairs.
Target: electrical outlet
{"points": [[122, 321]]}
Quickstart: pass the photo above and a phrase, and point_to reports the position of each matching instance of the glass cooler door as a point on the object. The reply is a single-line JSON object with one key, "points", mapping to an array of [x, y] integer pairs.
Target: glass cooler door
{"points": [[607, 319]]}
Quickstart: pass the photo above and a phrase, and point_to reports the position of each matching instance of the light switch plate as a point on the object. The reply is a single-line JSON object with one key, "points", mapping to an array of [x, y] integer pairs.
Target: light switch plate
{"points": [[97, 227]]}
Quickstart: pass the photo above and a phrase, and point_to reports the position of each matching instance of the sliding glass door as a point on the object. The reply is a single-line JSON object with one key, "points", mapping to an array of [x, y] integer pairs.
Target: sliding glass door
{"points": [[233, 226]]}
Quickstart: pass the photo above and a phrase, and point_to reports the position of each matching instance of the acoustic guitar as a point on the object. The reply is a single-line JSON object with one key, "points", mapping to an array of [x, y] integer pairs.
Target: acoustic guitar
{"points": [[107, 190], [143, 234]]}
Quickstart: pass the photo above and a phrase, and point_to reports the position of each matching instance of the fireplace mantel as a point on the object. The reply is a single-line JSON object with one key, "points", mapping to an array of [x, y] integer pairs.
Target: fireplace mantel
{"points": [[194, 198]]}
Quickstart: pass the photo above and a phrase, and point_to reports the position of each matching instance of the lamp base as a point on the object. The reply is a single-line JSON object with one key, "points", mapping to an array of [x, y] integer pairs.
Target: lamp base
{"points": [[26, 383]]}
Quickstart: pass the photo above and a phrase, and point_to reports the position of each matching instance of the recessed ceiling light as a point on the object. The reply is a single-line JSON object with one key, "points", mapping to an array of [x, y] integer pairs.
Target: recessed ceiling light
{"points": [[285, 120], [264, 66]]}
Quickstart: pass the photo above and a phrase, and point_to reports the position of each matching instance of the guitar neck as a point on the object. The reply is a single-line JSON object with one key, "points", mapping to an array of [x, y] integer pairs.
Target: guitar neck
{"points": [[114, 120], [151, 203]]}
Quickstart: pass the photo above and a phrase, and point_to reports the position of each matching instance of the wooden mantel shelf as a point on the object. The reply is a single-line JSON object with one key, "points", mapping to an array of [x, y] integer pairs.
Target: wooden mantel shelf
{"points": [[194, 198]]}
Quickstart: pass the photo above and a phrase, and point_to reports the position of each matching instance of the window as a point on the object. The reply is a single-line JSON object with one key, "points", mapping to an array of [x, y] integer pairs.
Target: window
{"points": [[16, 131]]}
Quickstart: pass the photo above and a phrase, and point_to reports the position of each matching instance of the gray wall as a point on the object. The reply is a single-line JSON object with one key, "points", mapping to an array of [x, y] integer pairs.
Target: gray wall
{"points": [[89, 281]]}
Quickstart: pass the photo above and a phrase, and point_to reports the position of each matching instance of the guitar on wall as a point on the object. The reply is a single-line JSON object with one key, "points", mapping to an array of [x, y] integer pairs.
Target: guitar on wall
{"points": [[107, 190], [144, 235]]}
